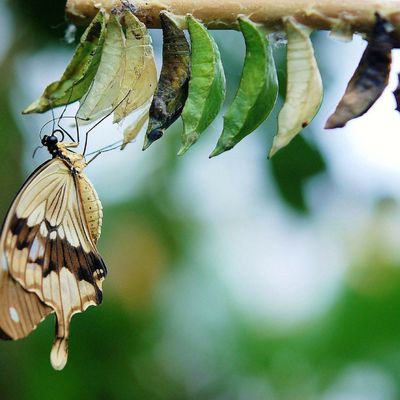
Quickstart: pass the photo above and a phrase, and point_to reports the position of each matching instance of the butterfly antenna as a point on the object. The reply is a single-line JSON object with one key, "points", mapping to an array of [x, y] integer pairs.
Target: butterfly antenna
{"points": [[61, 128], [66, 104], [64, 132], [79, 108], [54, 120], [44, 125], [34, 152], [62, 116], [77, 129]]}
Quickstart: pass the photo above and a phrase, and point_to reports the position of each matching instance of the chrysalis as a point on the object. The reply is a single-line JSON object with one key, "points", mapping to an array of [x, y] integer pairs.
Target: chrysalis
{"points": [[304, 88], [370, 79], [207, 85], [397, 94], [172, 89]]}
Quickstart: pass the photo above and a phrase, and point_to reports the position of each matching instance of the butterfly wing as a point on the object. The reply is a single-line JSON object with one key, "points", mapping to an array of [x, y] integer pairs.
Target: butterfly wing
{"points": [[49, 250], [20, 311]]}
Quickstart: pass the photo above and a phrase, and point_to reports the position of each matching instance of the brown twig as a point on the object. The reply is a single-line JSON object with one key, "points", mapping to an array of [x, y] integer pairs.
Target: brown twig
{"points": [[343, 15]]}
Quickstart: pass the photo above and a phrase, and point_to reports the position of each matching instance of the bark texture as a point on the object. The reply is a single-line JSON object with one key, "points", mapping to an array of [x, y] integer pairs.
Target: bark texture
{"points": [[344, 16]]}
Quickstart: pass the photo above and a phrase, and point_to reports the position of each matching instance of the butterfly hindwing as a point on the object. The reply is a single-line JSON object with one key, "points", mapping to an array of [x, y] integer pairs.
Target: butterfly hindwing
{"points": [[20, 310], [49, 249]]}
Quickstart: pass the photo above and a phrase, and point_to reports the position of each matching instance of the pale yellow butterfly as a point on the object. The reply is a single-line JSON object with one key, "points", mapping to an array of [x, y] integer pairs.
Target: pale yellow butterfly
{"points": [[48, 256]]}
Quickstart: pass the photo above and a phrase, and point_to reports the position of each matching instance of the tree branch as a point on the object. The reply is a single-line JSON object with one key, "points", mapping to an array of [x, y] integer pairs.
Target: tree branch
{"points": [[344, 15]]}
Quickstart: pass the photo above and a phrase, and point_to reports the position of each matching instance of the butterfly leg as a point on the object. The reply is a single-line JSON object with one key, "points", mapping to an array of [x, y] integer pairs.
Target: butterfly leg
{"points": [[101, 120]]}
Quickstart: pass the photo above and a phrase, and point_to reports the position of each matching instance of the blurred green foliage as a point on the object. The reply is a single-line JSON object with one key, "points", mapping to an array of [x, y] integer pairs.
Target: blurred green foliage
{"points": [[292, 167], [42, 21]]}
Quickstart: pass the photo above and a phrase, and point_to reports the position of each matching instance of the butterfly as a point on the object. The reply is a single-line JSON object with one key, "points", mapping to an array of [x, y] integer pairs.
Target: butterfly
{"points": [[48, 256]]}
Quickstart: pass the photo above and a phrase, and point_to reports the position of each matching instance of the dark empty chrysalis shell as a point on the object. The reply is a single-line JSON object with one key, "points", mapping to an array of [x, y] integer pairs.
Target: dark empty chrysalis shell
{"points": [[397, 94], [172, 88], [369, 80]]}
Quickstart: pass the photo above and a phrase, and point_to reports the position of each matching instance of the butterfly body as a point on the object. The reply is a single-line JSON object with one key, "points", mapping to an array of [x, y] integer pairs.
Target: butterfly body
{"points": [[92, 207], [48, 256]]}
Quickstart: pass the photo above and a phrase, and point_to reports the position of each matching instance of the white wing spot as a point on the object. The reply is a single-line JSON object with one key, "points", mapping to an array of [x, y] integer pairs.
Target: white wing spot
{"points": [[14, 314], [4, 264], [53, 235], [35, 248], [43, 229]]}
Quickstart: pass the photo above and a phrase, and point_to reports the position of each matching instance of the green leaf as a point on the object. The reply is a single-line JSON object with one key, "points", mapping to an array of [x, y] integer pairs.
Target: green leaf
{"points": [[103, 94], [304, 86], [138, 74], [257, 91], [292, 168], [172, 89], [80, 72], [207, 84]]}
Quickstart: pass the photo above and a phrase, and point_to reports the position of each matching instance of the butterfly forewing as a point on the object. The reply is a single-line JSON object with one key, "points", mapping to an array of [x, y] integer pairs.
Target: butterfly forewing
{"points": [[48, 244]]}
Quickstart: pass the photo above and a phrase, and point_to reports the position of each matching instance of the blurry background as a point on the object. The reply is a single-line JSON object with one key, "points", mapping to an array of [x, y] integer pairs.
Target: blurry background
{"points": [[234, 278]]}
